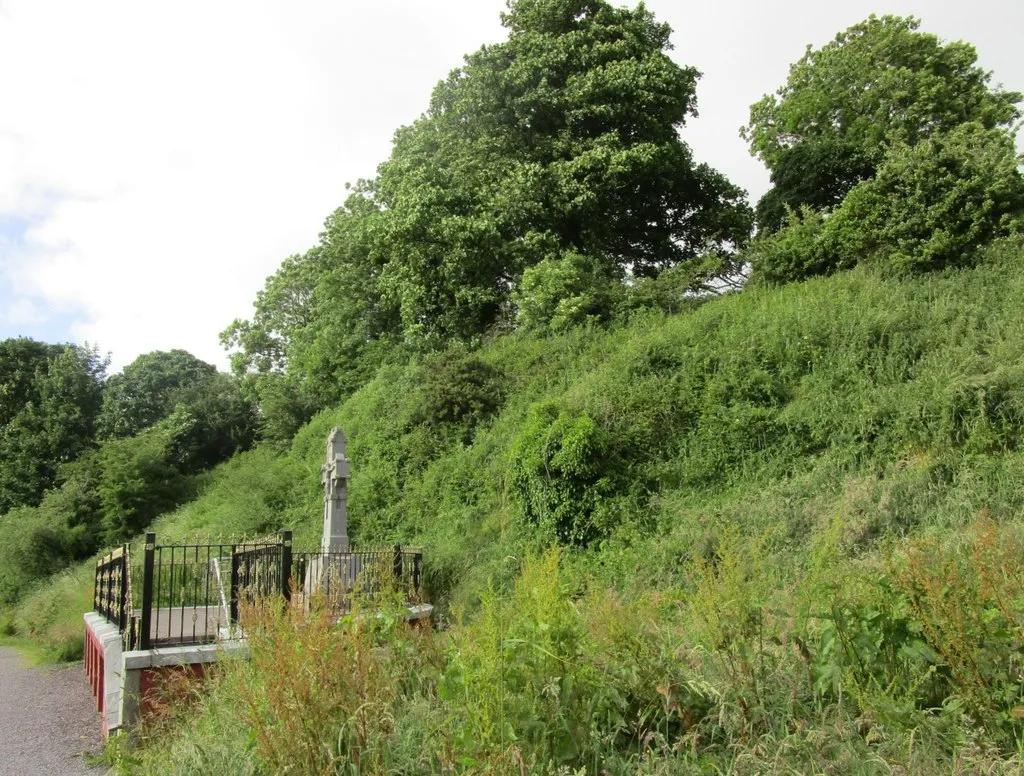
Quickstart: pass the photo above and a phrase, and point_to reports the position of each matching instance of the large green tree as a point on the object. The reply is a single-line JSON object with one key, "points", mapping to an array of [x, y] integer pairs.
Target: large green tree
{"points": [[562, 140], [22, 362], [148, 389], [879, 83], [50, 396], [557, 149]]}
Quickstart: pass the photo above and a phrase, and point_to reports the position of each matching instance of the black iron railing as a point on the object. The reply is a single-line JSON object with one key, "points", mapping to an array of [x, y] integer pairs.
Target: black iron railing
{"points": [[341, 577], [193, 593], [111, 596]]}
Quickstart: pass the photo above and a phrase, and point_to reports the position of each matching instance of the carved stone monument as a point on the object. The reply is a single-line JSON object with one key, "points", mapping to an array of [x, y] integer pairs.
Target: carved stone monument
{"points": [[334, 475]]}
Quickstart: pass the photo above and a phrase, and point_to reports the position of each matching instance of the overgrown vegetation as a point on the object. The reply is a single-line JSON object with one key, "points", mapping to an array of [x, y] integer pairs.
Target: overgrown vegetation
{"points": [[668, 529], [110, 456], [848, 667]]}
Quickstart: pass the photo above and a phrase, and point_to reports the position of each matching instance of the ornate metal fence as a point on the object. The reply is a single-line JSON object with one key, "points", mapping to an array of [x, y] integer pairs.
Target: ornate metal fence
{"points": [[111, 590], [341, 577], [192, 593]]}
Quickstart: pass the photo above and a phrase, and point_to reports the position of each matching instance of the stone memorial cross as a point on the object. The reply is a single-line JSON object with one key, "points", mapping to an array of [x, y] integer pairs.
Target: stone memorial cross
{"points": [[335, 475]]}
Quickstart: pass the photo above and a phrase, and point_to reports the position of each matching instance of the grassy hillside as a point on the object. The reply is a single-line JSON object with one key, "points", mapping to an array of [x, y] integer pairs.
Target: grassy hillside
{"points": [[735, 472]]}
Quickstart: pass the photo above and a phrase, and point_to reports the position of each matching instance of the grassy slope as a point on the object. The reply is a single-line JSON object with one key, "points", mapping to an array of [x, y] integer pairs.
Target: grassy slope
{"points": [[896, 405], [856, 408]]}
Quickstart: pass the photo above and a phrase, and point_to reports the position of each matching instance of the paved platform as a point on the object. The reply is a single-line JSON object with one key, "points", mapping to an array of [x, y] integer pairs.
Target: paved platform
{"points": [[186, 625]]}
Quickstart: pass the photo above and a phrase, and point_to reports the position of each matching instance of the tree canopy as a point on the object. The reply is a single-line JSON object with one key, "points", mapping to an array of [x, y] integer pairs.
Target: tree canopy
{"points": [[50, 396], [550, 160], [562, 139], [928, 207], [147, 390], [879, 83]]}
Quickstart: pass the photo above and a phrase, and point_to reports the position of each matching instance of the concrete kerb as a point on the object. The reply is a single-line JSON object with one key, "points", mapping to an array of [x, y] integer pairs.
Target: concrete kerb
{"points": [[109, 639], [184, 656]]}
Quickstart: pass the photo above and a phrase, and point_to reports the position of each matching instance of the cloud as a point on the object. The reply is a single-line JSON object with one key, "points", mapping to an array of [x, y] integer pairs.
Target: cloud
{"points": [[169, 157], [164, 158], [21, 312]]}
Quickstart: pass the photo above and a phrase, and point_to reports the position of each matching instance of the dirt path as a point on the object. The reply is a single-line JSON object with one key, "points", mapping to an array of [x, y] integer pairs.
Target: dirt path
{"points": [[47, 720]]}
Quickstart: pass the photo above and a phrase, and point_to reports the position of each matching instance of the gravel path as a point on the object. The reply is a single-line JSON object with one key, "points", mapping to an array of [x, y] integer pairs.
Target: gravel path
{"points": [[47, 720]]}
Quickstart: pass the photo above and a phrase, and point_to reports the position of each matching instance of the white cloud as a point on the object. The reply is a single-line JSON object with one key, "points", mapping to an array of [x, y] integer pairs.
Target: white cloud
{"points": [[169, 156], [22, 312]]}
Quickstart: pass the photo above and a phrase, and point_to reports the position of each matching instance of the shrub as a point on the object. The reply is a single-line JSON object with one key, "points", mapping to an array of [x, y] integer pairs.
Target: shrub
{"points": [[560, 292], [458, 390], [932, 205], [562, 470], [139, 480], [797, 251]]}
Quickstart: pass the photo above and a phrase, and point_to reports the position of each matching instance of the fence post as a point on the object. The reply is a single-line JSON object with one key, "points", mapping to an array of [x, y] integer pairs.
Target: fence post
{"points": [[148, 557], [417, 572], [96, 587], [397, 564], [123, 604], [233, 614], [286, 565]]}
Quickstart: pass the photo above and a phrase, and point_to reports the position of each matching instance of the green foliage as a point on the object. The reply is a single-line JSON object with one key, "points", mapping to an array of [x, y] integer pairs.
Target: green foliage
{"points": [[458, 390], [51, 414], [795, 252], [562, 470], [929, 207], [147, 390], [321, 324], [558, 144], [965, 603], [558, 293], [21, 362], [562, 140], [138, 482], [110, 492], [933, 205], [878, 84], [794, 470], [211, 422]]}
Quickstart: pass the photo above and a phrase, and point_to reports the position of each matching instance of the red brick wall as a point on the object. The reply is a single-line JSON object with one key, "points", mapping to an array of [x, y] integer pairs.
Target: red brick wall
{"points": [[159, 687]]}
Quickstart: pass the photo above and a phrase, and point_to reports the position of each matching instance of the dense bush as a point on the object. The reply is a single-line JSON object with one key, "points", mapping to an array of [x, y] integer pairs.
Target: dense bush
{"points": [[458, 390], [796, 252], [563, 469], [112, 492], [932, 205], [560, 292]]}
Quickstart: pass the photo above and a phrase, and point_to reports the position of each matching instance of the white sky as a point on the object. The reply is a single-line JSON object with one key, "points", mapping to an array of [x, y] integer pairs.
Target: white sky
{"points": [[159, 160]]}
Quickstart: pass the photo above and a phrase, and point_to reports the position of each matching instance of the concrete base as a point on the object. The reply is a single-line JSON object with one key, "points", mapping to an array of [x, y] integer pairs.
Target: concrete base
{"points": [[144, 670], [420, 612], [125, 683], [103, 664]]}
